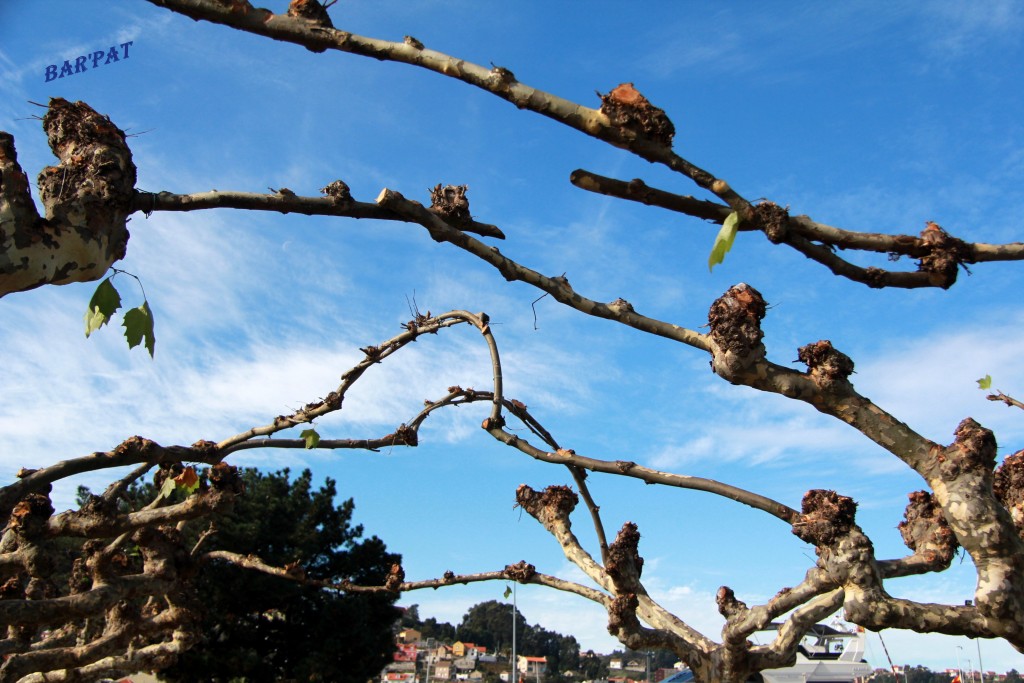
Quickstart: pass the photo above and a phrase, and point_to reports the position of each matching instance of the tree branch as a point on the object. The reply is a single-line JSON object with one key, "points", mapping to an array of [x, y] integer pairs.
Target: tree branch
{"points": [[283, 202], [624, 120]]}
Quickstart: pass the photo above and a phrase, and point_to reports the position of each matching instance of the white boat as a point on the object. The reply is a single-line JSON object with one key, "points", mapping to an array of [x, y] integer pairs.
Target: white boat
{"points": [[827, 654]]}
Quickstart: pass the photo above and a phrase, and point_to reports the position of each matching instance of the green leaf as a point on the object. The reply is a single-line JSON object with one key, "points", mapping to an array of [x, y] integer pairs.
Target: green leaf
{"points": [[311, 437], [508, 592], [167, 488], [985, 382], [138, 326], [104, 302], [724, 240]]}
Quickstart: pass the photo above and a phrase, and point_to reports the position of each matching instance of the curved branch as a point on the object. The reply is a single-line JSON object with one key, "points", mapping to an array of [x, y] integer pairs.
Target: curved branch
{"points": [[782, 650], [558, 287], [332, 402], [450, 579], [648, 475], [742, 621], [59, 610]]}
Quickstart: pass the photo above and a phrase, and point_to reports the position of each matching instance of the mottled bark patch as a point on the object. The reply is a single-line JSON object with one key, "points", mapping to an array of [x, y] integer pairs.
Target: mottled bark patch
{"points": [[1008, 485], [628, 110], [15, 197]]}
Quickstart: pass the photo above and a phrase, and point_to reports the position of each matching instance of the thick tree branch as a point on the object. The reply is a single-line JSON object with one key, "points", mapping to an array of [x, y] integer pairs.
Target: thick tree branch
{"points": [[92, 523], [112, 645], [151, 657]]}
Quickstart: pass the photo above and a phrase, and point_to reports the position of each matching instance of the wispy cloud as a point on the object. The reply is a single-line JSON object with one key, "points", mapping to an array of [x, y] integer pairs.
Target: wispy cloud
{"points": [[957, 29]]}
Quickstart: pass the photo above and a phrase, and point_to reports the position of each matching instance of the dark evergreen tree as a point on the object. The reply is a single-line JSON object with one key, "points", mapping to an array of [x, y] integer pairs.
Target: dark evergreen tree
{"points": [[593, 666], [410, 617], [439, 630], [259, 628], [490, 624]]}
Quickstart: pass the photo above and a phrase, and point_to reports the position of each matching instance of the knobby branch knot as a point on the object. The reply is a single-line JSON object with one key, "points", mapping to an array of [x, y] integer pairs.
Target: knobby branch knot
{"points": [[825, 517], [136, 445], [551, 508], [632, 113], [94, 186], [520, 571], [622, 614], [624, 564], [827, 367], [310, 10], [973, 449], [925, 530], [30, 515], [728, 605], [338, 191], [450, 202], [945, 256], [773, 220], [224, 477], [396, 575], [735, 322]]}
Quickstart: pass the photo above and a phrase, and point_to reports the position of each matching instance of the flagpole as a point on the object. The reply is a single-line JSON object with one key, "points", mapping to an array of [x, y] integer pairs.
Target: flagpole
{"points": [[514, 667]]}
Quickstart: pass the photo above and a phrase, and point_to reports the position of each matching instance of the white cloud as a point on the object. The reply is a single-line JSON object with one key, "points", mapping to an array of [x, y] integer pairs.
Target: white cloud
{"points": [[930, 384]]}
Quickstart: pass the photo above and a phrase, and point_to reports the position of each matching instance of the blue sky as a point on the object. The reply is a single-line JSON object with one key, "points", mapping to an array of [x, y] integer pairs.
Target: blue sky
{"points": [[864, 115]]}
